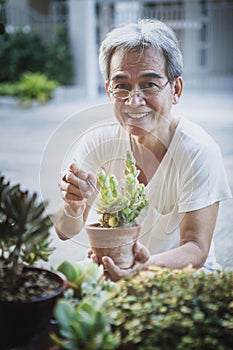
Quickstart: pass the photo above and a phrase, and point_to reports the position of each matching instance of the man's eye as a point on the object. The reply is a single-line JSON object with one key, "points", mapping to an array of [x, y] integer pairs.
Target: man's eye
{"points": [[122, 87], [149, 85]]}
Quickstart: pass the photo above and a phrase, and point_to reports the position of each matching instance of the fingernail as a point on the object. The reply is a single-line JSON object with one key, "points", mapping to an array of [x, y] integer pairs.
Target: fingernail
{"points": [[105, 260]]}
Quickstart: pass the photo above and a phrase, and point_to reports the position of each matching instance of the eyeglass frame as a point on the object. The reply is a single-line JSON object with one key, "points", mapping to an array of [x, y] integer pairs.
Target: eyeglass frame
{"points": [[140, 92]]}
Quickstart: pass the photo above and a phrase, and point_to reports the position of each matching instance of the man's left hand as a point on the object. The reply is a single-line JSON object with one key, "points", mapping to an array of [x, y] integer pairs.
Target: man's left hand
{"points": [[115, 273]]}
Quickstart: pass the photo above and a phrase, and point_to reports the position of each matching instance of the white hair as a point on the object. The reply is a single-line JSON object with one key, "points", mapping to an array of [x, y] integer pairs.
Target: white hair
{"points": [[138, 36]]}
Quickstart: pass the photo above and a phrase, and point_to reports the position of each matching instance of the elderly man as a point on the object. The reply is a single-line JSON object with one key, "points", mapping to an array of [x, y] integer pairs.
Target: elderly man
{"points": [[180, 164]]}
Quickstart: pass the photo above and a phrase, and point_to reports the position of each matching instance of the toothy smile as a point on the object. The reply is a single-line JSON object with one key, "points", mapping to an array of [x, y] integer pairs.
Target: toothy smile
{"points": [[138, 115]]}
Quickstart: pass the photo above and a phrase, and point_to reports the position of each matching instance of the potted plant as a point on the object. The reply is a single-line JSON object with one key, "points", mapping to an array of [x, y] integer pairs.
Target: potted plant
{"points": [[119, 205], [82, 321], [28, 293]]}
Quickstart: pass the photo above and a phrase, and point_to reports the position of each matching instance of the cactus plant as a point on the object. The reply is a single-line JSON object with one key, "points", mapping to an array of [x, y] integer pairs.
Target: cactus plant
{"points": [[119, 205]]}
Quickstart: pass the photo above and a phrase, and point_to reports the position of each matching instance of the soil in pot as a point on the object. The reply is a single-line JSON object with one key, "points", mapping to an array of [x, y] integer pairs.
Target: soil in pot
{"points": [[115, 242], [30, 311]]}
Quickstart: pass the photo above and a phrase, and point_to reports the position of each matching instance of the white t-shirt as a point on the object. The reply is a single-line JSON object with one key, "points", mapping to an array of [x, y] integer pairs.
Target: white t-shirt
{"points": [[191, 176]]}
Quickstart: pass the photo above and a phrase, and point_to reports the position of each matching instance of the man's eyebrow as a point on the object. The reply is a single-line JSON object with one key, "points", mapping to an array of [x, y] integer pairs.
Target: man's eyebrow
{"points": [[120, 76], [152, 75]]}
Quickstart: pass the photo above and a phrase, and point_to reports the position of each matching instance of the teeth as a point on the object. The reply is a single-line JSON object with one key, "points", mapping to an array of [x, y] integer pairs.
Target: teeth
{"points": [[137, 115]]}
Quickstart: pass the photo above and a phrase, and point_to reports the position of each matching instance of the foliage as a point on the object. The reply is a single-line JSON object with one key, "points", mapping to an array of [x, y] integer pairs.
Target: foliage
{"points": [[81, 317], [121, 205], [9, 89], [31, 86], [157, 309], [84, 278], [36, 86], [22, 52], [85, 326], [59, 64], [24, 232], [174, 309]]}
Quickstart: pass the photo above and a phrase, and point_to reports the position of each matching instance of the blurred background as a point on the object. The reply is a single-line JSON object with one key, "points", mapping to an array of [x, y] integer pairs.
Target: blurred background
{"points": [[71, 31], [50, 84]]}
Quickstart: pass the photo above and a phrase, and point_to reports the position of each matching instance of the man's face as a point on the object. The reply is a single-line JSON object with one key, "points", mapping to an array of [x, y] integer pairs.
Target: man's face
{"points": [[137, 70]]}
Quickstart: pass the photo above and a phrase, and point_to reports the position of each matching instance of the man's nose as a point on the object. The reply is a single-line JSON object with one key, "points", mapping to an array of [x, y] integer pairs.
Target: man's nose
{"points": [[135, 98]]}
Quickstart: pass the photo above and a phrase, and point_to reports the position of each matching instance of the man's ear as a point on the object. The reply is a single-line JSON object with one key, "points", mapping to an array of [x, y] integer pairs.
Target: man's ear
{"points": [[106, 88], [177, 90]]}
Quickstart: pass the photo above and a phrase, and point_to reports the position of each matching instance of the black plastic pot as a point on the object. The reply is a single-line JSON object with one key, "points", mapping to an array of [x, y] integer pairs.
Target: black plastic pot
{"points": [[20, 321]]}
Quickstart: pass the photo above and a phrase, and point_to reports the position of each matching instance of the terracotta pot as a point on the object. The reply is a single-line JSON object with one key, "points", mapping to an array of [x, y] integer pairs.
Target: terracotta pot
{"points": [[115, 242]]}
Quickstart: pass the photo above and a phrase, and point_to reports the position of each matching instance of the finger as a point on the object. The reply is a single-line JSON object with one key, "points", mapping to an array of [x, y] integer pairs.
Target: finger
{"points": [[76, 170], [81, 174], [75, 186], [63, 182], [71, 192], [69, 184], [80, 179], [63, 179], [114, 271], [72, 199], [81, 183], [71, 178], [94, 258], [89, 253], [142, 254], [68, 177]]}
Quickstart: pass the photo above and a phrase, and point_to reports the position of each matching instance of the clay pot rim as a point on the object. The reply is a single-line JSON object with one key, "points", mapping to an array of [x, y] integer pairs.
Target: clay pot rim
{"points": [[96, 225]]}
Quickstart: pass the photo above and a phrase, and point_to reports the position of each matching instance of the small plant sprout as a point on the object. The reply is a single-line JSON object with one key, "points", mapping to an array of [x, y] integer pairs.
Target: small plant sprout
{"points": [[120, 205]]}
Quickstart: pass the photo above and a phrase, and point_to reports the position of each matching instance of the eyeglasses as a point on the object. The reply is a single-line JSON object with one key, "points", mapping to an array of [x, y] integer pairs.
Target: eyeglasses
{"points": [[148, 92]]}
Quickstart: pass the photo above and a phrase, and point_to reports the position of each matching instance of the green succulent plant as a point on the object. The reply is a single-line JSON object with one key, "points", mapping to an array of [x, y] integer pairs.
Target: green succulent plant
{"points": [[81, 315], [84, 278], [120, 205], [24, 233], [84, 326]]}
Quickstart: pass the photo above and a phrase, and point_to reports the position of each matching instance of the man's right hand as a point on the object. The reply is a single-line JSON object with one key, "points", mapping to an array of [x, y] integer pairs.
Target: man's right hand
{"points": [[75, 190]]}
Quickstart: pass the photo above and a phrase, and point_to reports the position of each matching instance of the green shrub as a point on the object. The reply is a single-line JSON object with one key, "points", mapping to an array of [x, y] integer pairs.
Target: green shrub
{"points": [[9, 89], [31, 86], [36, 86], [159, 309], [169, 309], [20, 52]]}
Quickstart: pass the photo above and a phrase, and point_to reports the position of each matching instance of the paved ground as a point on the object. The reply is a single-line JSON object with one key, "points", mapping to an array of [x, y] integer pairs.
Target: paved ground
{"points": [[34, 142]]}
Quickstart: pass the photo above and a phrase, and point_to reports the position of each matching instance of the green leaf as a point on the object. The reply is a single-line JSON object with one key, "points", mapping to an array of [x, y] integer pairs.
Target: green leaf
{"points": [[65, 316], [71, 270]]}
